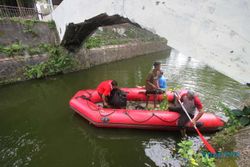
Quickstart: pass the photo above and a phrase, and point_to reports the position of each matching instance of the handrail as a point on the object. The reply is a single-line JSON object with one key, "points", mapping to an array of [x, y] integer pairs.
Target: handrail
{"points": [[12, 11]]}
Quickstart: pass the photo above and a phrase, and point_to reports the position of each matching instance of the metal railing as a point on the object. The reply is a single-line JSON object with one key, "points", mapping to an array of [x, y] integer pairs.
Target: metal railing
{"points": [[11, 11]]}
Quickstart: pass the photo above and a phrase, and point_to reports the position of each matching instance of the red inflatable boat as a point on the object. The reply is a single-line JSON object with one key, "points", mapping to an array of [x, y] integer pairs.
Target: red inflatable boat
{"points": [[84, 103]]}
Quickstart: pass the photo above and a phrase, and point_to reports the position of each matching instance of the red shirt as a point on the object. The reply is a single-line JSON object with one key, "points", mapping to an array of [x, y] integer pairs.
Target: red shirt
{"points": [[197, 102], [104, 87]]}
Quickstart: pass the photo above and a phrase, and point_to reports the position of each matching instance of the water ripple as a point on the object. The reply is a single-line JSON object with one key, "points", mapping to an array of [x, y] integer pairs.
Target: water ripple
{"points": [[18, 149], [211, 86]]}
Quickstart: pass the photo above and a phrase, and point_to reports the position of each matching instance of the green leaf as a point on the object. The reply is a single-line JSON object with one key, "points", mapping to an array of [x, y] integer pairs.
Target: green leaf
{"points": [[193, 162], [190, 152], [237, 112], [39, 74], [189, 143], [246, 110], [244, 121]]}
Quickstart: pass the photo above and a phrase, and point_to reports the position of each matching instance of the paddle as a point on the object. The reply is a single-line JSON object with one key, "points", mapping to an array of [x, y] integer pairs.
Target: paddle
{"points": [[208, 146]]}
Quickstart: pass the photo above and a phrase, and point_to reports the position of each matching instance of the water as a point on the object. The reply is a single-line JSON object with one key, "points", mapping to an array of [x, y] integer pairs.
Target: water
{"points": [[39, 129]]}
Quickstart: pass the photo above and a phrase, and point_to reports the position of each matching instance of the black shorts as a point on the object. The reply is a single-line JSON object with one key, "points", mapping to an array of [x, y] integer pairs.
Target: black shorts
{"points": [[183, 120], [154, 91]]}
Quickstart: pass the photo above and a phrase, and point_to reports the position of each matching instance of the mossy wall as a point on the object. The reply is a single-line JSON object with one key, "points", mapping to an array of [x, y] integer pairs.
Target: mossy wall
{"points": [[30, 49], [29, 33], [24, 43]]}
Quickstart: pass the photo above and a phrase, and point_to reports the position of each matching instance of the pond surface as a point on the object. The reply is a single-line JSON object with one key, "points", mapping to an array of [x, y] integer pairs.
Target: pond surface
{"points": [[39, 129]]}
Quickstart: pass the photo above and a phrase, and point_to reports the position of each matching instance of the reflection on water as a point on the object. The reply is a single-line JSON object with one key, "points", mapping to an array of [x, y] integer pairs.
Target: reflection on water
{"points": [[18, 149], [161, 152], [211, 86], [39, 129], [100, 152]]}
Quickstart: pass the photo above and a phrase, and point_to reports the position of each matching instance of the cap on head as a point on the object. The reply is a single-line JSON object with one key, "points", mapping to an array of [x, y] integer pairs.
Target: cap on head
{"points": [[190, 93]]}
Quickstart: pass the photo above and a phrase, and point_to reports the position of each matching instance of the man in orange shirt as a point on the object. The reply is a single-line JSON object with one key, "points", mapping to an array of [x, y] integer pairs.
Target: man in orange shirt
{"points": [[104, 89]]}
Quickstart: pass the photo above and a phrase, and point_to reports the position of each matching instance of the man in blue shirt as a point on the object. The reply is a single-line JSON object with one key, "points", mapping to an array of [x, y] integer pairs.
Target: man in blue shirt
{"points": [[162, 81]]}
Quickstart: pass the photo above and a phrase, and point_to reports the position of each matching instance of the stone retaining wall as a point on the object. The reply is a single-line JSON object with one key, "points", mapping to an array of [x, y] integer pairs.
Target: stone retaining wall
{"points": [[242, 146], [12, 69], [31, 35], [107, 54]]}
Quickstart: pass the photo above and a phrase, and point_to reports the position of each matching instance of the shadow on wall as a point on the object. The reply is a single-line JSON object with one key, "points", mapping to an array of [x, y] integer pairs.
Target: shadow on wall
{"points": [[76, 34]]}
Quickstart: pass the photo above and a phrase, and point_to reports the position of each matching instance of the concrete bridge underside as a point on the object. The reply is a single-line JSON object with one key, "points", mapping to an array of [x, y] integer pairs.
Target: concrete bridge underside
{"points": [[215, 32]]}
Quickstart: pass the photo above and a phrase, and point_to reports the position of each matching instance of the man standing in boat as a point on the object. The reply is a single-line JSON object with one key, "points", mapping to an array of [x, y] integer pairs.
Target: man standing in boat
{"points": [[104, 89], [152, 84], [191, 103]]}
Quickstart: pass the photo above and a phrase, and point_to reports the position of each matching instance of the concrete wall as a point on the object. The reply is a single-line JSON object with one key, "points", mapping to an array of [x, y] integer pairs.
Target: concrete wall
{"points": [[12, 69], [242, 142], [107, 54], [215, 32], [28, 35], [14, 31]]}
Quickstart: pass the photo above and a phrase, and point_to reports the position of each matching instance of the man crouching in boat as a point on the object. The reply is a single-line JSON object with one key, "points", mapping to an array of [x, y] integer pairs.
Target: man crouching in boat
{"points": [[104, 89], [191, 102], [111, 95]]}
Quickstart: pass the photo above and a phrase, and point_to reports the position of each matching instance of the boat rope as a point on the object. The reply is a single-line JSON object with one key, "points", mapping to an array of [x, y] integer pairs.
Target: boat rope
{"points": [[92, 108], [83, 97], [165, 120], [139, 121], [99, 110], [153, 114], [87, 99], [90, 94], [105, 115]]}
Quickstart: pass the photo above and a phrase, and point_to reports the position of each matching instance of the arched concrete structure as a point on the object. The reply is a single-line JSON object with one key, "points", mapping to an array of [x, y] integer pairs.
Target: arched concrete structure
{"points": [[215, 32], [75, 34]]}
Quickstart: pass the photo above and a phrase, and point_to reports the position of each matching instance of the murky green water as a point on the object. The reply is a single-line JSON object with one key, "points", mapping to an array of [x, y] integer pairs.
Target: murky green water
{"points": [[37, 127]]}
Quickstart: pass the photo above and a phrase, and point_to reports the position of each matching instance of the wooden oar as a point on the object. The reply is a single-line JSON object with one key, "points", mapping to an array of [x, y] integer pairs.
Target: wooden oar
{"points": [[208, 146]]}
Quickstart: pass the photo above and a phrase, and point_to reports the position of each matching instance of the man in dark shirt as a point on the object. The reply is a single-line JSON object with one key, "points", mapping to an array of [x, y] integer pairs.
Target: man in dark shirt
{"points": [[152, 85]]}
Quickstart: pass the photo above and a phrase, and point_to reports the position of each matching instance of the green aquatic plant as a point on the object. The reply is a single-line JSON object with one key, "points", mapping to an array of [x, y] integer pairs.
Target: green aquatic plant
{"points": [[237, 119], [13, 49], [58, 61], [34, 50], [172, 89], [18, 49], [93, 42], [192, 158], [243, 116], [109, 36], [164, 103], [36, 71], [28, 24], [98, 41], [51, 24]]}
